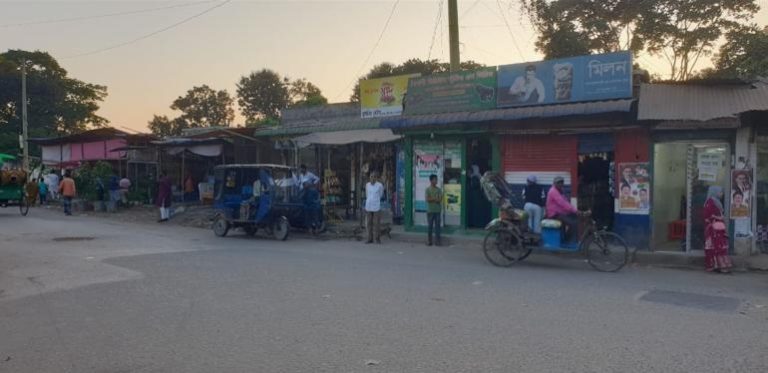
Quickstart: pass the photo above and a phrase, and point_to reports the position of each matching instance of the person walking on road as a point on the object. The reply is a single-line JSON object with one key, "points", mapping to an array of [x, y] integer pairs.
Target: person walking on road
{"points": [[68, 191], [374, 191], [43, 190], [434, 198], [164, 195]]}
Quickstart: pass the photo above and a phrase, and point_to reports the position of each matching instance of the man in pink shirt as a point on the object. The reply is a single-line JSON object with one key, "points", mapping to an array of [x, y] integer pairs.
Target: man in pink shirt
{"points": [[559, 208]]}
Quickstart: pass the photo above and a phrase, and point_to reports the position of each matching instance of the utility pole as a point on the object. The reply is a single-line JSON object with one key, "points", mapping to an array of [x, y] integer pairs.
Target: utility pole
{"points": [[24, 133], [453, 34]]}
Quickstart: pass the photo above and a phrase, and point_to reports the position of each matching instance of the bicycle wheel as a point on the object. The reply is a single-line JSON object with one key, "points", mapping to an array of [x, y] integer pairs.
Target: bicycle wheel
{"points": [[606, 251], [24, 204], [503, 248]]}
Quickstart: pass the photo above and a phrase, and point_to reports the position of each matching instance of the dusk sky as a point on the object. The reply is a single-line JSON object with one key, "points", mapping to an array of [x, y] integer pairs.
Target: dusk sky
{"points": [[326, 42]]}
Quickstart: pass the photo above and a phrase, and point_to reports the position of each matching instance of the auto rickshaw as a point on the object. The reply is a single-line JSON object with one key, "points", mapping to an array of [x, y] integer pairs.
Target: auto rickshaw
{"points": [[256, 197], [12, 185]]}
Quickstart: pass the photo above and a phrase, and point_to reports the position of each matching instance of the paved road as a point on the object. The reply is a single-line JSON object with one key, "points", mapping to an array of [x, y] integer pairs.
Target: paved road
{"points": [[84, 295]]}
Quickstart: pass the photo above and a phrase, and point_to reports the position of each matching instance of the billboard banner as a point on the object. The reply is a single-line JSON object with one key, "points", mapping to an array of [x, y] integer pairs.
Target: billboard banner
{"points": [[383, 97], [451, 92], [584, 78]]}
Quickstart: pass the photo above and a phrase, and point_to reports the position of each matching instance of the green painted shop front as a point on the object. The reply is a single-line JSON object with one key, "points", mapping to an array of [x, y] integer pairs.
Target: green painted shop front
{"points": [[450, 155]]}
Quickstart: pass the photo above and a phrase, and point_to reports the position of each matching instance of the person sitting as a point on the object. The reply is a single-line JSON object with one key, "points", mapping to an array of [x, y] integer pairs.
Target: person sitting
{"points": [[558, 207], [533, 194]]}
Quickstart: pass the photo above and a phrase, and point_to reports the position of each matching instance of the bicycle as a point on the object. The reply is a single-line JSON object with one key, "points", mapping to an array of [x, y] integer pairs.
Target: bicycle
{"points": [[508, 242]]}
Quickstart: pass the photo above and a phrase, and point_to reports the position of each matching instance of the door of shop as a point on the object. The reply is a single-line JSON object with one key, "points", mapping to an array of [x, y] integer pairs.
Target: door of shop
{"points": [[683, 173], [444, 159]]}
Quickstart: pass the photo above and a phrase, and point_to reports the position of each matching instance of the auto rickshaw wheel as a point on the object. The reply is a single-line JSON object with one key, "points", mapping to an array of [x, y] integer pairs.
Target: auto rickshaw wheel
{"points": [[280, 228], [220, 226]]}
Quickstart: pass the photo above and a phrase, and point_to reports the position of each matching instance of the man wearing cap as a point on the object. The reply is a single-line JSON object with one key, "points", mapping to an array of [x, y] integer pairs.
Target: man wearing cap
{"points": [[533, 195], [559, 208]]}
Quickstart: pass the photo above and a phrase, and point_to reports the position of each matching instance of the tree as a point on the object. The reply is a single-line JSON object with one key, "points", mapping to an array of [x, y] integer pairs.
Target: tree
{"points": [[57, 103], [262, 94], [411, 66], [303, 94], [161, 126], [205, 107], [682, 31], [744, 54]]}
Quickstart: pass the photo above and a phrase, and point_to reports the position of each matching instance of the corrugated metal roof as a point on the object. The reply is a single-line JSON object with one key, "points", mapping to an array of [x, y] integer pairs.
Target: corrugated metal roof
{"points": [[548, 111], [699, 103], [325, 118]]}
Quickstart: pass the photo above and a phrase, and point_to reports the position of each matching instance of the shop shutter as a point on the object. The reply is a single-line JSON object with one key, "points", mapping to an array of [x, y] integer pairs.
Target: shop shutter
{"points": [[546, 156], [632, 146]]}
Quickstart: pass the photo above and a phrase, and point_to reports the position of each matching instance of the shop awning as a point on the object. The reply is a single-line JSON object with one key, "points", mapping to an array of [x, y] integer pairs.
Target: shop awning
{"points": [[546, 111], [348, 137]]}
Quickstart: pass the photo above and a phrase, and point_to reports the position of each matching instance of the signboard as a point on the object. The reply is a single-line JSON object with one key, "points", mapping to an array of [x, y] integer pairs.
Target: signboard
{"points": [[741, 194], [383, 97], [452, 199], [634, 188], [451, 92], [585, 78]]}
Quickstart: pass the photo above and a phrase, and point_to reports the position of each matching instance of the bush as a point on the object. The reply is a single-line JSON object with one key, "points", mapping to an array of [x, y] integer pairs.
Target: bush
{"points": [[85, 179]]}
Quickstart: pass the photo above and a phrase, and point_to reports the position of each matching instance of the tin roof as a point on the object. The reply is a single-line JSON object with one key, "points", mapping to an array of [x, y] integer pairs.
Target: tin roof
{"points": [[324, 118], [699, 103], [528, 112]]}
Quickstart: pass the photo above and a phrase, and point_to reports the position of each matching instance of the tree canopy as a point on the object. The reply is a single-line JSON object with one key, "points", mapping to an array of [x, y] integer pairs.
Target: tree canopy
{"points": [[201, 106], [411, 66], [681, 31], [57, 104], [263, 95], [744, 54]]}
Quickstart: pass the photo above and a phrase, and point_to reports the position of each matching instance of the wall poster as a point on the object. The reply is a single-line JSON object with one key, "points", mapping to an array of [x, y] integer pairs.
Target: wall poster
{"points": [[634, 188], [741, 194], [427, 160]]}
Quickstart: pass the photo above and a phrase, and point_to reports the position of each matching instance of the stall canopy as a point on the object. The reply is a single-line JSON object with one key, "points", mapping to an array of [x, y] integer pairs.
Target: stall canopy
{"points": [[348, 137], [202, 147]]}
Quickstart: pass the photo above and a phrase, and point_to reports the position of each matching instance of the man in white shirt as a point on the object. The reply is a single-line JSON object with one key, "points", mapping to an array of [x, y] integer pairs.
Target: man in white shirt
{"points": [[305, 176], [374, 191]]}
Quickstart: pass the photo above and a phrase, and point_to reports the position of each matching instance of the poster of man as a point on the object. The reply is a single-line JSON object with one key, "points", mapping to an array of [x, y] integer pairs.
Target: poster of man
{"points": [[741, 194], [634, 188], [528, 89]]}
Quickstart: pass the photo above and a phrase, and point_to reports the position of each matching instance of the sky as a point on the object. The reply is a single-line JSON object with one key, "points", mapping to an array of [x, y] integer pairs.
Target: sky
{"points": [[147, 59]]}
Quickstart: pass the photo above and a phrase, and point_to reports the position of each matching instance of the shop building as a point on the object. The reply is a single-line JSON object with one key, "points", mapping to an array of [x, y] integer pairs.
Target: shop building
{"points": [[705, 135]]}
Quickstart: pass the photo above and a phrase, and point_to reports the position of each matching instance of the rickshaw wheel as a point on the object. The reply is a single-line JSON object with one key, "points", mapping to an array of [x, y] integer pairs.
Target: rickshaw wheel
{"points": [[24, 204], [220, 226], [280, 228]]}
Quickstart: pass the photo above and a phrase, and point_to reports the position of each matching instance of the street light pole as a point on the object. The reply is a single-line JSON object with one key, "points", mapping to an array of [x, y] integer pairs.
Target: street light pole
{"points": [[24, 131], [453, 34]]}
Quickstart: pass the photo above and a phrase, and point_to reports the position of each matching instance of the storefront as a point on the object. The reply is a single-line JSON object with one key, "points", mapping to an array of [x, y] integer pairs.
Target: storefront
{"points": [[761, 189]]}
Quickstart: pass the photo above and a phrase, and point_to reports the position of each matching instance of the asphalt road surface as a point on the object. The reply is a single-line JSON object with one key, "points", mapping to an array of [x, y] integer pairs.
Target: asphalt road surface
{"points": [[80, 294]]}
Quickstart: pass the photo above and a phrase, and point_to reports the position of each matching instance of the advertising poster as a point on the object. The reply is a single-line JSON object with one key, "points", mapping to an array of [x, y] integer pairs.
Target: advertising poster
{"points": [[451, 92], [741, 194], [584, 78], [383, 97], [452, 199], [427, 160], [634, 188], [453, 154]]}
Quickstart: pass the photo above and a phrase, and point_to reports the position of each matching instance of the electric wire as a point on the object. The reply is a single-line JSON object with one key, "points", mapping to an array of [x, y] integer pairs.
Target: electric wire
{"points": [[151, 34], [434, 32], [118, 14]]}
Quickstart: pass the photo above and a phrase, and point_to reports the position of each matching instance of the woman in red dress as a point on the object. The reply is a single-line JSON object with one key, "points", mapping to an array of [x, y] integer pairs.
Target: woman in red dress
{"points": [[715, 233]]}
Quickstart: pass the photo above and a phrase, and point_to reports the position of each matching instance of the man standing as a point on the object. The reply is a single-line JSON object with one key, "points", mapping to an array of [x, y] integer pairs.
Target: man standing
{"points": [[305, 176], [125, 185], [374, 191], [533, 195], [68, 191], [559, 208], [53, 185], [434, 197], [164, 195], [114, 192]]}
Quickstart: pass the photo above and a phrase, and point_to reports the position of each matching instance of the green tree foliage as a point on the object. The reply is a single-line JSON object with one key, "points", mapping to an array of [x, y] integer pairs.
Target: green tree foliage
{"points": [[262, 94], [682, 31], [57, 104], [205, 107], [744, 54], [200, 107], [86, 179], [411, 66], [303, 93]]}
